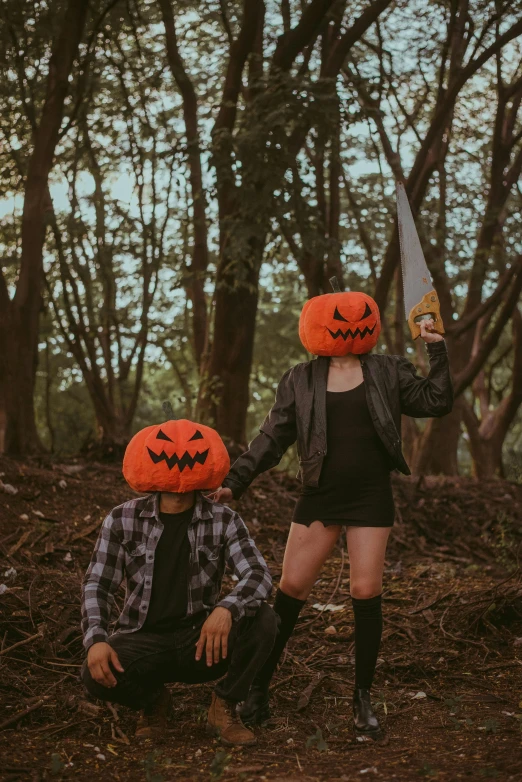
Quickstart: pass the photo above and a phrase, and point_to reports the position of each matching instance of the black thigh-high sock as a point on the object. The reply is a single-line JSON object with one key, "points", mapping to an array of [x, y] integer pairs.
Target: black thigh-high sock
{"points": [[288, 609], [368, 631]]}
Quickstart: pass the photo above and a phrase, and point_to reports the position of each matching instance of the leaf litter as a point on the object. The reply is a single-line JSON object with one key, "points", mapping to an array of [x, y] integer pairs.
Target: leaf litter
{"points": [[449, 666]]}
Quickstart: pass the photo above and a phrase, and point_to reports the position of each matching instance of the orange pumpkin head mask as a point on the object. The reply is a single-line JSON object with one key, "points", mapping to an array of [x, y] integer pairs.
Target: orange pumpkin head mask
{"points": [[336, 324], [177, 456]]}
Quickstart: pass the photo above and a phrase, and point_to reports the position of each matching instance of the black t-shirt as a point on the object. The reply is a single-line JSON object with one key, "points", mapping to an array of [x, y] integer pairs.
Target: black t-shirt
{"points": [[168, 603], [354, 486]]}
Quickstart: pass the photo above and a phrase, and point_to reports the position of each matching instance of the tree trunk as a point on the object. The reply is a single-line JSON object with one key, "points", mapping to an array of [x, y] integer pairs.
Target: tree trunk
{"points": [[487, 458], [114, 434], [486, 439], [19, 347], [245, 210], [436, 451], [225, 393], [19, 321], [487, 434]]}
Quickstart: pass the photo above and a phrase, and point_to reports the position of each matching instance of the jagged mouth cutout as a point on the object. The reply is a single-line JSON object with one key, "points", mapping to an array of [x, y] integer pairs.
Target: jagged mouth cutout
{"points": [[352, 334], [187, 460], [180, 462]]}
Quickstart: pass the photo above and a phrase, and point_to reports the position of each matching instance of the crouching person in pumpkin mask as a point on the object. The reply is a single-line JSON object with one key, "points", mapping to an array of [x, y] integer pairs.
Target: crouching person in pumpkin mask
{"points": [[344, 410], [172, 546]]}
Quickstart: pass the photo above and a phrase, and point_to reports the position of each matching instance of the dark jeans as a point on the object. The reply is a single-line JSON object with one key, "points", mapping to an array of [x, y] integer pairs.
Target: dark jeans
{"points": [[150, 659]]}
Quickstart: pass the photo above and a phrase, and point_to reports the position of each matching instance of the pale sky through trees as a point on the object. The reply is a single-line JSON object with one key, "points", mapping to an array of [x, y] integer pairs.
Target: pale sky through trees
{"points": [[121, 248]]}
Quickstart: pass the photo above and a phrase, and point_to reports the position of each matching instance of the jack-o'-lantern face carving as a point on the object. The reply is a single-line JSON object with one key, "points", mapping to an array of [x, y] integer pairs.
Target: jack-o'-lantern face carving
{"points": [[336, 324], [177, 456]]}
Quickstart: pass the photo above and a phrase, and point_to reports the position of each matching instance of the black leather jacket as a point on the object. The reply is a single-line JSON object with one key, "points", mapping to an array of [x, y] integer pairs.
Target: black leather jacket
{"points": [[393, 388]]}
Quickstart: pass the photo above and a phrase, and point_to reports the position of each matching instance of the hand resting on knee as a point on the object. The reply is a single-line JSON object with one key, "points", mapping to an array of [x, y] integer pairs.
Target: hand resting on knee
{"points": [[99, 659]]}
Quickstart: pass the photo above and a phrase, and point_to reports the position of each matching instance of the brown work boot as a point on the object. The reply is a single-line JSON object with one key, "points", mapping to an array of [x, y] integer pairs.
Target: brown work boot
{"points": [[224, 721], [153, 721]]}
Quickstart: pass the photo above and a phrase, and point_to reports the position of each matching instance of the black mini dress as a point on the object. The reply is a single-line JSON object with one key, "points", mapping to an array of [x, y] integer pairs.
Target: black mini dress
{"points": [[355, 486]]}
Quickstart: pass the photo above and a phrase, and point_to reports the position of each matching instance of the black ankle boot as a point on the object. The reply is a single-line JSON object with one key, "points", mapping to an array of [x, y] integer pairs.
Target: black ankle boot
{"points": [[364, 719], [256, 710]]}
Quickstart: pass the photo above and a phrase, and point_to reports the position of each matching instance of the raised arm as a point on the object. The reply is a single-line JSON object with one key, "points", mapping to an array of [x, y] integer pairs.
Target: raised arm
{"points": [[277, 434], [102, 579], [244, 558], [431, 396]]}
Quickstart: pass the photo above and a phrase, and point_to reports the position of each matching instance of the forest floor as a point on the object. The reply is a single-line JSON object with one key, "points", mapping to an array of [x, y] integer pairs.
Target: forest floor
{"points": [[449, 680]]}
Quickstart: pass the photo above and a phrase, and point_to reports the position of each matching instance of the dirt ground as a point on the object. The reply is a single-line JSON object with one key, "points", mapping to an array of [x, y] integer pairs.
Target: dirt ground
{"points": [[448, 685]]}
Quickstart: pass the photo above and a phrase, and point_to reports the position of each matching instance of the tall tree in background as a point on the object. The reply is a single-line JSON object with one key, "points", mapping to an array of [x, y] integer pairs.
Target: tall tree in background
{"points": [[465, 51], [20, 313], [112, 250], [260, 127], [206, 178]]}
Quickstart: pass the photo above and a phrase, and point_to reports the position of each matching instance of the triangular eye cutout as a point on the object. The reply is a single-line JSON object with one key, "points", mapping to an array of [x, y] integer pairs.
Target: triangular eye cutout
{"points": [[163, 436], [196, 436], [337, 316], [367, 312]]}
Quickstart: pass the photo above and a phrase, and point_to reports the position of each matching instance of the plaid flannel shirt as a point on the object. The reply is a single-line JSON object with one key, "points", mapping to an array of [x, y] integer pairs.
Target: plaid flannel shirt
{"points": [[126, 547]]}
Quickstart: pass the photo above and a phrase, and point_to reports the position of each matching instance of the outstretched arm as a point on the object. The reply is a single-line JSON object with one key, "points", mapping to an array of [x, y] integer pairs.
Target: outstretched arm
{"points": [[278, 433]]}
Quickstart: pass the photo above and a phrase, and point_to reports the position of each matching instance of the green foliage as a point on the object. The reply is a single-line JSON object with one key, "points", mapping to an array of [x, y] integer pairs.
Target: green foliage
{"points": [[502, 537], [454, 704], [427, 770], [317, 741], [219, 763], [117, 336], [491, 726], [57, 764], [150, 764]]}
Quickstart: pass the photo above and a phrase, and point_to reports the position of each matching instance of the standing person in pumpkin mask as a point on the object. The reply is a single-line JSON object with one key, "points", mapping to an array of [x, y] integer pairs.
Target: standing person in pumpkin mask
{"points": [[172, 546], [344, 409]]}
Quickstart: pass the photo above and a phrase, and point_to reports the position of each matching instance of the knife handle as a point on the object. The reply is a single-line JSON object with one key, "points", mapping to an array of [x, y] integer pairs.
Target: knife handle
{"points": [[429, 306]]}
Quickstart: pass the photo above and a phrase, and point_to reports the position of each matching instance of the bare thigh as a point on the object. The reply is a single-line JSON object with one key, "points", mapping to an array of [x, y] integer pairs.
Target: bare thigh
{"points": [[307, 549], [366, 552]]}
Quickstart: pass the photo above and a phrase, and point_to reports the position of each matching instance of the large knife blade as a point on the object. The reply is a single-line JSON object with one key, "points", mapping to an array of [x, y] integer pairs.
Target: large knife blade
{"points": [[420, 298]]}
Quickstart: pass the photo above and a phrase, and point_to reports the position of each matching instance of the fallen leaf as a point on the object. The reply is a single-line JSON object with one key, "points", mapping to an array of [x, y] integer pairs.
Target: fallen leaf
{"points": [[8, 488]]}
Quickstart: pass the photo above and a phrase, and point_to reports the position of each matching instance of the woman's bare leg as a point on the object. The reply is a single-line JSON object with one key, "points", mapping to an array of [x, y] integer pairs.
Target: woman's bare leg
{"points": [[366, 552], [307, 549]]}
